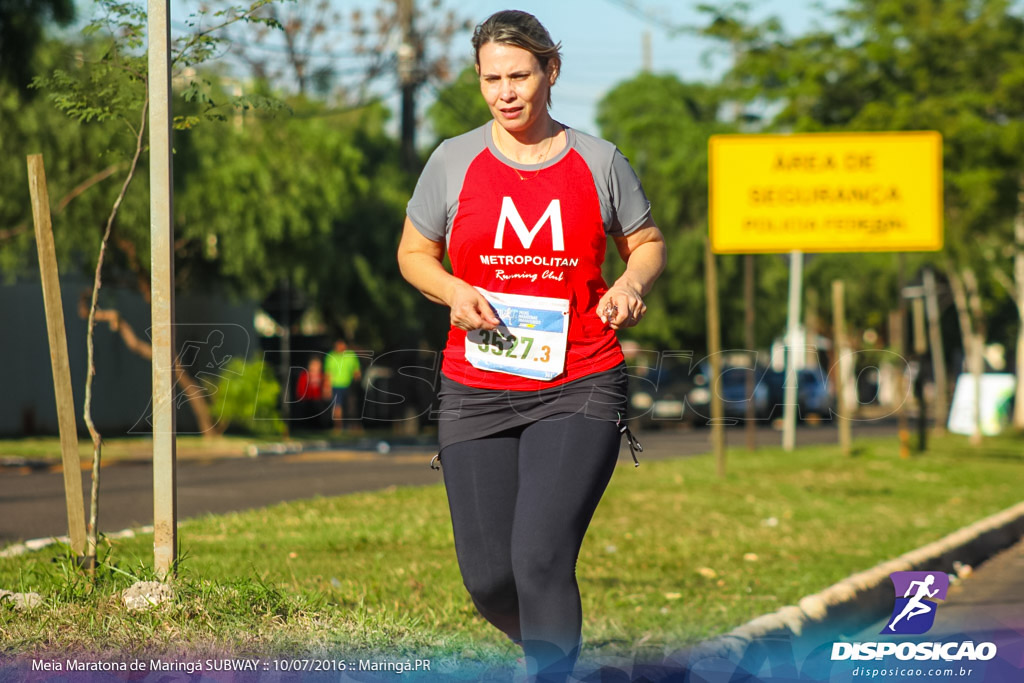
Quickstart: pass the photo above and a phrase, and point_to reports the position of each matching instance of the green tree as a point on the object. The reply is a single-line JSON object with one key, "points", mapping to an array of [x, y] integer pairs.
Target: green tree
{"points": [[640, 115], [316, 198], [459, 107], [22, 25], [662, 125], [949, 65], [109, 86], [81, 173]]}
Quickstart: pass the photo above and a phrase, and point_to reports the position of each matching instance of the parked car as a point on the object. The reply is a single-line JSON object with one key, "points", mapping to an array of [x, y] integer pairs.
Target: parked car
{"points": [[735, 395], [659, 396], [814, 394], [814, 397], [698, 398], [398, 391], [679, 392]]}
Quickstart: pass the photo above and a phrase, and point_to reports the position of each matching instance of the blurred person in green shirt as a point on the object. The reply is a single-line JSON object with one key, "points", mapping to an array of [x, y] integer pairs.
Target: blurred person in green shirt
{"points": [[342, 370]]}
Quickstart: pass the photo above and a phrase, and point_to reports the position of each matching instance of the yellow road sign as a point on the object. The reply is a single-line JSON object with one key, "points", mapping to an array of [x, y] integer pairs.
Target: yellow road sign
{"points": [[842, 192]]}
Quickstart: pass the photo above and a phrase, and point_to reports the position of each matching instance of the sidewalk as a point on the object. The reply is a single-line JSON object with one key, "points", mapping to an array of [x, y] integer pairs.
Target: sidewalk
{"points": [[985, 604], [989, 599]]}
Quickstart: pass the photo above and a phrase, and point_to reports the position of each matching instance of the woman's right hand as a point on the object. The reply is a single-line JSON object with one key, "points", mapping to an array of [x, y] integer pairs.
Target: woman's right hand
{"points": [[419, 259], [469, 309]]}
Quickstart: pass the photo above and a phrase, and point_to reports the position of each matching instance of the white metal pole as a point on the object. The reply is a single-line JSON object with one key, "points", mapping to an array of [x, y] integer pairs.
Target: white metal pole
{"points": [[165, 523], [796, 274]]}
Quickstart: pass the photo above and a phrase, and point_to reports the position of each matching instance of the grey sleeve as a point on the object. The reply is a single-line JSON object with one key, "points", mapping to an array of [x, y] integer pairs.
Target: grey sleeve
{"points": [[427, 209], [631, 206]]}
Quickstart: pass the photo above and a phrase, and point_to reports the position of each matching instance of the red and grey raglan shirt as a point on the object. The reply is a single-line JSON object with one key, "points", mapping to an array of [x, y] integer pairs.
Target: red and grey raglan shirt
{"points": [[534, 230], [531, 231]]}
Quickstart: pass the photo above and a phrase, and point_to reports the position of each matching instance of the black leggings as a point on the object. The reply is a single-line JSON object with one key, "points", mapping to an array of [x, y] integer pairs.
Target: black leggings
{"points": [[521, 501]]}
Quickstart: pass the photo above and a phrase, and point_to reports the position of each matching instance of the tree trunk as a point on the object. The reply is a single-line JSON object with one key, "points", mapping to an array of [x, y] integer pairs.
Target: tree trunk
{"points": [[977, 359], [971, 341]]}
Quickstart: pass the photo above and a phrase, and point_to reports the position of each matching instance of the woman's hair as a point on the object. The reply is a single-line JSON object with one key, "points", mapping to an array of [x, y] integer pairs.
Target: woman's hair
{"points": [[522, 30]]}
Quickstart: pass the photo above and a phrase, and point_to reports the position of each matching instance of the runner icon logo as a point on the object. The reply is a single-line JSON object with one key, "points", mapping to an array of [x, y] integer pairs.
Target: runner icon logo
{"points": [[914, 611]]}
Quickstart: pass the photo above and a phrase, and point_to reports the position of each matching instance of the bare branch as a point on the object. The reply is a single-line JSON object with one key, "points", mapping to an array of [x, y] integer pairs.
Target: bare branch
{"points": [[974, 300], [97, 279], [956, 286], [10, 233], [193, 393], [197, 37], [142, 275], [117, 324], [87, 183]]}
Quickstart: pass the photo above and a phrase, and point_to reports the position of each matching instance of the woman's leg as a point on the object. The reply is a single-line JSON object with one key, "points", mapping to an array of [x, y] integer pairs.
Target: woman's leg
{"points": [[564, 468], [480, 477]]}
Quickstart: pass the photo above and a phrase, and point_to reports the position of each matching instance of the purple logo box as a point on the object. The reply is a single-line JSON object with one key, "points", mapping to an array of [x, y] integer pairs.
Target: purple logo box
{"points": [[915, 607]]}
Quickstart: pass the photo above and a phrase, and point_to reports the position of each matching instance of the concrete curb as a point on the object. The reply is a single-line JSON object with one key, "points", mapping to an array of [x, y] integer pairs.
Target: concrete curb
{"points": [[856, 601], [40, 543]]}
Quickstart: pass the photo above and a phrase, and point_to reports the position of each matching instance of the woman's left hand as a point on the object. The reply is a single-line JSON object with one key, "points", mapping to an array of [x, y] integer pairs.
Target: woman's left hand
{"points": [[621, 306]]}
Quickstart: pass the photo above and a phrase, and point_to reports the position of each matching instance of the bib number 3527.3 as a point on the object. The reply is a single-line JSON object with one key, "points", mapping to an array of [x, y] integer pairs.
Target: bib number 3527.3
{"points": [[530, 341]]}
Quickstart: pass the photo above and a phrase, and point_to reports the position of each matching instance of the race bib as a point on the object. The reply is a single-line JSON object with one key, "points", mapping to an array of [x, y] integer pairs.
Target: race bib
{"points": [[529, 342]]}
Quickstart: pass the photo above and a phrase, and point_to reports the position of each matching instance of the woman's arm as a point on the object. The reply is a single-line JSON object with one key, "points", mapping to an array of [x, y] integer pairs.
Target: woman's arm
{"points": [[419, 260], [643, 250]]}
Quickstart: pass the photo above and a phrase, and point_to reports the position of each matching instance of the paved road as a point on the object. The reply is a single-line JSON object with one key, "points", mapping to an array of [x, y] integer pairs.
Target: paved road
{"points": [[32, 504]]}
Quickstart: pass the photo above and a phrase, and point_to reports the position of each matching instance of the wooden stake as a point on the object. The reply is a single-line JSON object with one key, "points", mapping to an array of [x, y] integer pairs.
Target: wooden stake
{"points": [[920, 336], [59, 362], [715, 358], [897, 332], [920, 348], [839, 326], [900, 389], [165, 514]]}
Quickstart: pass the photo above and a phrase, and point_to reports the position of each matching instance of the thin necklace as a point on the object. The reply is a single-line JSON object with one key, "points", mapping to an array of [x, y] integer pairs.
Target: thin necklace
{"points": [[551, 141]]}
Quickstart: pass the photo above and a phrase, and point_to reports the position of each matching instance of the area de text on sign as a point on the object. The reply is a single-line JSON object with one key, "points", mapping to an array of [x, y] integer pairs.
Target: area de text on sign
{"points": [[816, 192]]}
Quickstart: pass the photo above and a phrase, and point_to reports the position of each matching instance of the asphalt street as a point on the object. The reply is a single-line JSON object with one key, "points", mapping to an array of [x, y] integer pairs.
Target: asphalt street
{"points": [[32, 502]]}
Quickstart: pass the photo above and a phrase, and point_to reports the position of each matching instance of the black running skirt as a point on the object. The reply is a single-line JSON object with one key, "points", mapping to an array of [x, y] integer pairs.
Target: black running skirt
{"points": [[468, 413]]}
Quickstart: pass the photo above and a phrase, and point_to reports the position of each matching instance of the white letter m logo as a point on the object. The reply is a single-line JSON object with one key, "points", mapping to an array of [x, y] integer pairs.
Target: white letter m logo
{"points": [[510, 214]]}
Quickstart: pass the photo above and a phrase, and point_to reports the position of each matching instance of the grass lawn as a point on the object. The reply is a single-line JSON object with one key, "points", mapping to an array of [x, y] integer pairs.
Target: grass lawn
{"points": [[674, 555]]}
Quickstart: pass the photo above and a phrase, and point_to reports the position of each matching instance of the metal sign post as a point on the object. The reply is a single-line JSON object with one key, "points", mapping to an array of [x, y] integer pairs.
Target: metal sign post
{"points": [[165, 521], [790, 409], [843, 416], [714, 359]]}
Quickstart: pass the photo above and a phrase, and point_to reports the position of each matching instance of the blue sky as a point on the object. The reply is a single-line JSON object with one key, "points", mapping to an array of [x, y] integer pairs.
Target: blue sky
{"points": [[602, 41]]}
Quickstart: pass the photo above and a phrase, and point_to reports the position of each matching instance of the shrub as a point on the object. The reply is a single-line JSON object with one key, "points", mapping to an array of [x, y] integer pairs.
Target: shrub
{"points": [[248, 399]]}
